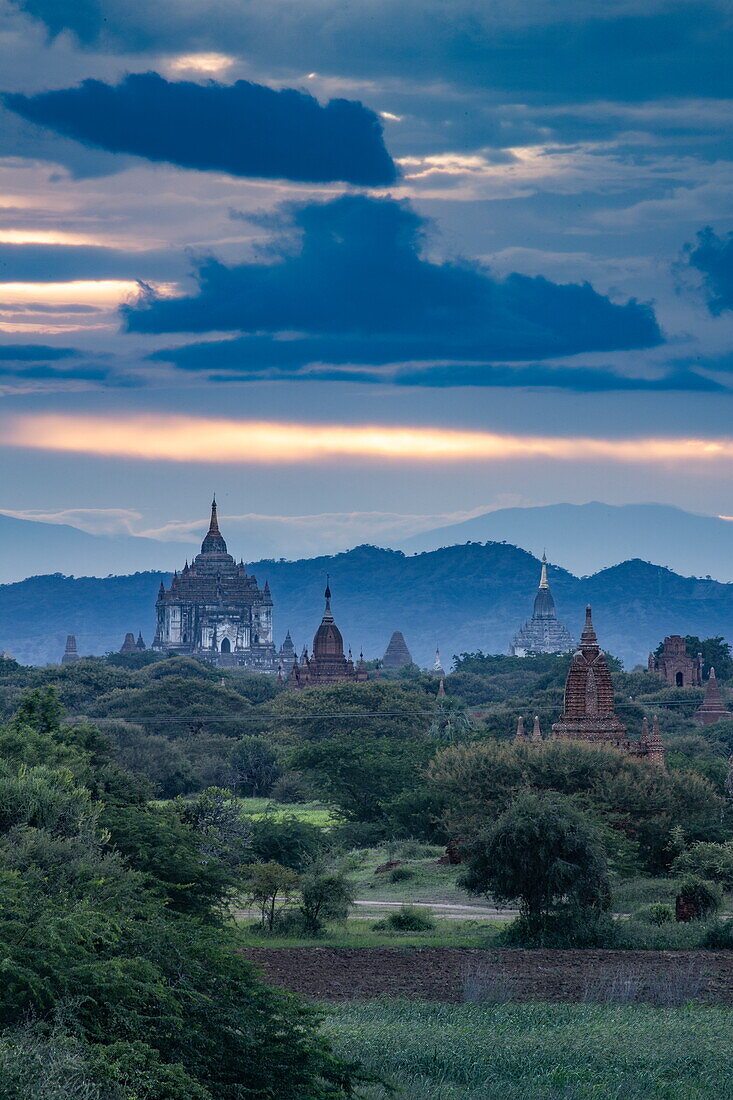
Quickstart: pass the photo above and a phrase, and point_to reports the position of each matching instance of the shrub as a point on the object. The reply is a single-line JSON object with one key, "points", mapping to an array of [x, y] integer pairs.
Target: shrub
{"points": [[325, 897], [401, 874], [572, 927], [288, 841], [408, 918], [713, 862], [705, 897], [719, 936], [290, 788], [656, 914]]}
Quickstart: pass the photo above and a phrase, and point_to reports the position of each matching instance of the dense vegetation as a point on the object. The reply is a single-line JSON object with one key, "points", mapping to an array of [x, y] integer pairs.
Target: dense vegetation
{"points": [[120, 979], [479, 594]]}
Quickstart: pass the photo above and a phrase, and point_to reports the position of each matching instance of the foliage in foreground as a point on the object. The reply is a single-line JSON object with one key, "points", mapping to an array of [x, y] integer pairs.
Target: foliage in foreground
{"points": [[112, 951], [539, 1052]]}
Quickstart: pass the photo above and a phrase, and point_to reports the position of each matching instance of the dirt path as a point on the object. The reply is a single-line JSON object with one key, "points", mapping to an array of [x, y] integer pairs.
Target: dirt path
{"points": [[447, 973], [443, 909]]}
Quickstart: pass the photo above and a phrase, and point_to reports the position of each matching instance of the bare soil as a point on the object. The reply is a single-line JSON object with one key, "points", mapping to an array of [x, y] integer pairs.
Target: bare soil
{"points": [[440, 973]]}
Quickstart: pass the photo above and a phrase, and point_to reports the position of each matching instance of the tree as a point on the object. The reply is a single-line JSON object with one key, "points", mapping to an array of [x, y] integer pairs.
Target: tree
{"points": [[707, 861], [254, 766], [479, 780], [285, 840], [272, 888], [715, 653], [325, 896], [546, 856]]}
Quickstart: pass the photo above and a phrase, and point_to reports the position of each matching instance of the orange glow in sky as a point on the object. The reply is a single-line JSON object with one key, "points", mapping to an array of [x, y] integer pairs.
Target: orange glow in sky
{"points": [[210, 440]]}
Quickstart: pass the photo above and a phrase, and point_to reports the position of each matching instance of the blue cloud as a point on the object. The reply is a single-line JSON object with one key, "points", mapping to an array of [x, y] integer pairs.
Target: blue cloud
{"points": [[712, 256], [32, 353], [244, 129], [357, 289], [588, 50]]}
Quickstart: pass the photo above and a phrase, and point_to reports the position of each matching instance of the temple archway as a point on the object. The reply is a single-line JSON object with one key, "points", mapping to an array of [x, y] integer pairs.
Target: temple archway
{"points": [[226, 646]]}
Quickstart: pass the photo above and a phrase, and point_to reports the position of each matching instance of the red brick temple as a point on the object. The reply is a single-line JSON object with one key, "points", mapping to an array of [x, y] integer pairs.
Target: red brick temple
{"points": [[675, 665], [327, 663], [712, 709], [590, 709]]}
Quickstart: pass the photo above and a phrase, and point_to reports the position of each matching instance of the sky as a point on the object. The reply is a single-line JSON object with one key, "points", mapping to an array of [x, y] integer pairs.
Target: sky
{"points": [[362, 269]]}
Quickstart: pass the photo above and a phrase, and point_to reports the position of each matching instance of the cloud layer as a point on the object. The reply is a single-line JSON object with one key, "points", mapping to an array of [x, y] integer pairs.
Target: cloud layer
{"points": [[576, 49], [350, 279], [712, 256], [244, 129]]}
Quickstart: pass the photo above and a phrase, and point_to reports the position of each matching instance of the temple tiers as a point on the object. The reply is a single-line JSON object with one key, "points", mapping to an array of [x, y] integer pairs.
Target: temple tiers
{"points": [[396, 655], [128, 646], [214, 611], [70, 653], [712, 709], [543, 633]]}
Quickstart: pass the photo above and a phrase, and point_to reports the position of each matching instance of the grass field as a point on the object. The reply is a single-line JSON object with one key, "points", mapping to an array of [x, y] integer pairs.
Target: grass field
{"points": [[314, 813], [357, 932], [538, 1052]]}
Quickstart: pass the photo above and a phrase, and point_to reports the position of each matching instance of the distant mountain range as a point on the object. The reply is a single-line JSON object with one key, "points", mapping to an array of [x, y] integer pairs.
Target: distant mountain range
{"points": [[582, 538], [587, 537], [29, 547], [462, 598]]}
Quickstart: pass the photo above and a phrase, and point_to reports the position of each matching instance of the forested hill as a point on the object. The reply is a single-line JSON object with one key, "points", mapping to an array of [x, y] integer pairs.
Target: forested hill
{"points": [[462, 598]]}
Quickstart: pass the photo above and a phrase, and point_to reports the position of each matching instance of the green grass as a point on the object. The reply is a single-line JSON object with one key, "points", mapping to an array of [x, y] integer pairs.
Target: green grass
{"points": [[538, 1052], [430, 881], [313, 813], [359, 933]]}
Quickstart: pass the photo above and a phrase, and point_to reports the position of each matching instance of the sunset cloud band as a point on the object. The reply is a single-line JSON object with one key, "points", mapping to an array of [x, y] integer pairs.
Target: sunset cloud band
{"points": [[254, 442]]}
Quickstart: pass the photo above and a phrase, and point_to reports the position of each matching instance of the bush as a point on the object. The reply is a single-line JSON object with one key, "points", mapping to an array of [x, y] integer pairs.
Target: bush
{"points": [[576, 928], [656, 914], [408, 918], [719, 936], [290, 787], [705, 897], [287, 841], [713, 862], [325, 896], [401, 874]]}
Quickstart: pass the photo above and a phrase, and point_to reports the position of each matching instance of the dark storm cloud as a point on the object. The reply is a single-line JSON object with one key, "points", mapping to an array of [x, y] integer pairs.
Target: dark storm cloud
{"points": [[712, 256], [576, 51], [51, 263], [243, 129], [349, 277]]}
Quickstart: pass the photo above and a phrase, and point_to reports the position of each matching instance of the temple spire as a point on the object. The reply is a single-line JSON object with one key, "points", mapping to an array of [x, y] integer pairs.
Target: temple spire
{"points": [[327, 614], [543, 574], [213, 523], [214, 542], [588, 637]]}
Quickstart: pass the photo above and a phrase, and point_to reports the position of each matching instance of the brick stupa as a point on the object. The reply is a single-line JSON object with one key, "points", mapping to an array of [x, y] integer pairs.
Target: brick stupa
{"points": [[396, 655], [712, 709], [590, 709]]}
